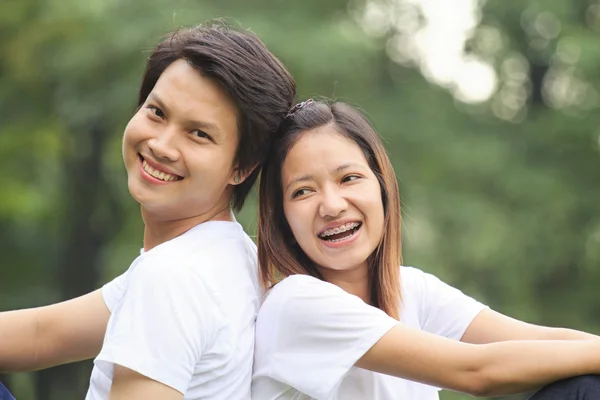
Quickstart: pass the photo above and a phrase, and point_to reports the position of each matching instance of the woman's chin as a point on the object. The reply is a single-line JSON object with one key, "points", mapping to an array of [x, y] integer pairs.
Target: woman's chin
{"points": [[342, 266]]}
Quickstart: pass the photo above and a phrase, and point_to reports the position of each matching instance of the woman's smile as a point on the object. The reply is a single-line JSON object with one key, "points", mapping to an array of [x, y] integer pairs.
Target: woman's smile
{"points": [[341, 235]]}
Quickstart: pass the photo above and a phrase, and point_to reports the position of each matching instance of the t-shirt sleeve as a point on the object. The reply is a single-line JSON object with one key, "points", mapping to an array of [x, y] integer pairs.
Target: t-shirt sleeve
{"points": [[310, 333], [113, 290], [445, 310], [161, 325]]}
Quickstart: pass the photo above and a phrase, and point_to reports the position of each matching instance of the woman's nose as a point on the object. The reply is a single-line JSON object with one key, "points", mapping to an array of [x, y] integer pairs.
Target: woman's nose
{"points": [[332, 204]]}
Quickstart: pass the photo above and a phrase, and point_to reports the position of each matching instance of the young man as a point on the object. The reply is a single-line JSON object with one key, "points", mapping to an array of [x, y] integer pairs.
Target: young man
{"points": [[179, 324]]}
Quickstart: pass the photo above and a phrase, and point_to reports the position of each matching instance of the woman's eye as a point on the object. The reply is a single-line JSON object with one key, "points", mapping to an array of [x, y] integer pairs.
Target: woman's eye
{"points": [[300, 192], [156, 111], [350, 178]]}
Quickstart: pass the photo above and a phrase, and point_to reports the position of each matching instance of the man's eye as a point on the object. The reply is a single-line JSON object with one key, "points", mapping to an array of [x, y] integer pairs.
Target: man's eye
{"points": [[156, 111], [201, 134]]}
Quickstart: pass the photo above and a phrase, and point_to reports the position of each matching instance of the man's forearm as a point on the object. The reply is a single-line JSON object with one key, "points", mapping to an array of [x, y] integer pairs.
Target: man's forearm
{"points": [[18, 340]]}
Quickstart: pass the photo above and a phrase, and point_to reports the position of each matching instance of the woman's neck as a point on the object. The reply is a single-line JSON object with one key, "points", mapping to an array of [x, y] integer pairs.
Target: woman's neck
{"points": [[354, 281], [158, 231]]}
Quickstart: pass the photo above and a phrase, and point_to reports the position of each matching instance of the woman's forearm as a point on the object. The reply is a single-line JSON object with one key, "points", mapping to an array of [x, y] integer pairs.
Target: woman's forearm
{"points": [[480, 369], [568, 334], [516, 366]]}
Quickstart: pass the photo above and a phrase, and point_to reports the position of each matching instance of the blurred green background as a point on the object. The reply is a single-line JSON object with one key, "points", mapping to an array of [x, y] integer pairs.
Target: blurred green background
{"points": [[489, 110]]}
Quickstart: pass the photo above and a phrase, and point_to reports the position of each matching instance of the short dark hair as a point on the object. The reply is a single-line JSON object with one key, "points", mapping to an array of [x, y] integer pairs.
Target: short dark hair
{"points": [[279, 254], [255, 80]]}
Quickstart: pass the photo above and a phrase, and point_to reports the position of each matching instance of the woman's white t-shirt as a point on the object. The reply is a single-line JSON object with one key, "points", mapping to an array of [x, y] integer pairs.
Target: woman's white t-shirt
{"points": [[310, 333], [183, 314]]}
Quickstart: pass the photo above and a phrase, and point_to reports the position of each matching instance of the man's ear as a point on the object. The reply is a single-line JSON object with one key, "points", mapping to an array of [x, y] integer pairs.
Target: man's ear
{"points": [[238, 176]]}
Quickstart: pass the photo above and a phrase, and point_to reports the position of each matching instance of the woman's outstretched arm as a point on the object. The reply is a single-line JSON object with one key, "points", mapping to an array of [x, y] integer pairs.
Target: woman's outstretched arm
{"points": [[42, 337], [480, 370], [490, 326]]}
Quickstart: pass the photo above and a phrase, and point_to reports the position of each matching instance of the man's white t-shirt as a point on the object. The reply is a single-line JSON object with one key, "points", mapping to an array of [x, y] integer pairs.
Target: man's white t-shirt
{"points": [[310, 333], [183, 314]]}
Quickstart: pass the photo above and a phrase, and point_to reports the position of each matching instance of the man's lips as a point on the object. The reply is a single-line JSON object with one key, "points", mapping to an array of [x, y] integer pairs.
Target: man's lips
{"points": [[157, 171]]}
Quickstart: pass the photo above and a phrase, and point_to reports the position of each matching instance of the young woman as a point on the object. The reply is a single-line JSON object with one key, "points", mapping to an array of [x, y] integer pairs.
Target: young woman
{"points": [[180, 322], [343, 320]]}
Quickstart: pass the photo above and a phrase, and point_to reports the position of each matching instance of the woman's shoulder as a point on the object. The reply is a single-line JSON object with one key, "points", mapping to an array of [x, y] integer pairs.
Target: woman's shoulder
{"points": [[302, 287], [298, 280], [414, 278], [309, 288], [411, 272], [311, 300], [285, 303]]}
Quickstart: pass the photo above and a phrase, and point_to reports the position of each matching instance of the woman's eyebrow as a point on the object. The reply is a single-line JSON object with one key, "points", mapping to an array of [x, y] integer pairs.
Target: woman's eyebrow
{"points": [[303, 178], [348, 165]]}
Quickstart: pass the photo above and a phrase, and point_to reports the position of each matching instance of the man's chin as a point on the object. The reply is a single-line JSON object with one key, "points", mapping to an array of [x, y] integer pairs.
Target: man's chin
{"points": [[151, 203], [160, 212]]}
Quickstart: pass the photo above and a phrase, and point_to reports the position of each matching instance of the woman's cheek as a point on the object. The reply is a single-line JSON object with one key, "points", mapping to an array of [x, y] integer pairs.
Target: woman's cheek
{"points": [[296, 227]]}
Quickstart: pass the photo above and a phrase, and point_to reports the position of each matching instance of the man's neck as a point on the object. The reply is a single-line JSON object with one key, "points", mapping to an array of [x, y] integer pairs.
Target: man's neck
{"points": [[157, 231]]}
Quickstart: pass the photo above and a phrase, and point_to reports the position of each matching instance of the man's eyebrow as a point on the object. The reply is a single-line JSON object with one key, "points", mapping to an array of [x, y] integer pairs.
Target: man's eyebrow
{"points": [[209, 127], [202, 125], [154, 97]]}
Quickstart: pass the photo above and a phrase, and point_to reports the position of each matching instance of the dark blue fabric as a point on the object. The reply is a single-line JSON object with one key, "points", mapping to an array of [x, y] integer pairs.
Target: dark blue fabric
{"points": [[586, 387], [4, 393]]}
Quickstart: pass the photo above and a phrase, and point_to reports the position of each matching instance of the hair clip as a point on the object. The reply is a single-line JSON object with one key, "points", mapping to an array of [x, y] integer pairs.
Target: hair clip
{"points": [[299, 106]]}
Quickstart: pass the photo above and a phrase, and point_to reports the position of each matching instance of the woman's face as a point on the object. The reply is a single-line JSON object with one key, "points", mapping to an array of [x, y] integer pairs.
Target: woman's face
{"points": [[179, 147], [332, 201]]}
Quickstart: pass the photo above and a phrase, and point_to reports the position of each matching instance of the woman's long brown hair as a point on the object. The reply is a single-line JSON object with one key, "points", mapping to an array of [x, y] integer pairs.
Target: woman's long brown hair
{"points": [[279, 254]]}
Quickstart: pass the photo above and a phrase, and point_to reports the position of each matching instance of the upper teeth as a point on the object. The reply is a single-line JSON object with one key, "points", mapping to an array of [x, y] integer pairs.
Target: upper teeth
{"points": [[158, 174], [339, 229]]}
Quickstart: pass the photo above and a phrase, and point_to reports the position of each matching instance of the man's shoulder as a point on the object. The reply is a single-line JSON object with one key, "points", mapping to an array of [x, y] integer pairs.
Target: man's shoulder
{"points": [[200, 248]]}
